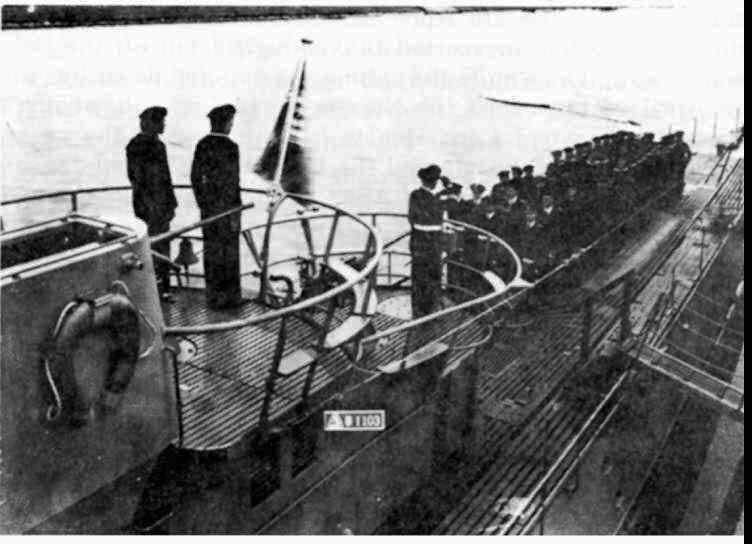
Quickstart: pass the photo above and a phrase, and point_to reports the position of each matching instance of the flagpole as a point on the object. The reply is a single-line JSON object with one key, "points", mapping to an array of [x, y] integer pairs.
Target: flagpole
{"points": [[285, 138], [277, 181]]}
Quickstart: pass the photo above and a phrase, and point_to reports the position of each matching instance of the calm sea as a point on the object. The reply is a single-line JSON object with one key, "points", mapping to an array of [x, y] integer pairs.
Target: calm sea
{"points": [[385, 94]]}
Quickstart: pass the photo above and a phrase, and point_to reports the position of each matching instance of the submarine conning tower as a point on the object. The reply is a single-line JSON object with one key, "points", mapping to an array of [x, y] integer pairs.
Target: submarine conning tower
{"points": [[85, 395]]}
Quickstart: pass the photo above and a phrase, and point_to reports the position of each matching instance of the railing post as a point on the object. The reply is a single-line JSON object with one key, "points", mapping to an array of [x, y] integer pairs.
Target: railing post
{"points": [[369, 247], [626, 306], [330, 239], [311, 372], [694, 130], [306, 226], [272, 378], [587, 320], [285, 447], [715, 125], [178, 395], [469, 430], [702, 248], [74, 202], [486, 253], [272, 212]]}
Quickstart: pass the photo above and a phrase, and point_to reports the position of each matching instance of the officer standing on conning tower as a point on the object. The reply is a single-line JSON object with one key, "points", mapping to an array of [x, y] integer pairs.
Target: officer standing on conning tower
{"points": [[215, 176], [425, 216], [153, 196]]}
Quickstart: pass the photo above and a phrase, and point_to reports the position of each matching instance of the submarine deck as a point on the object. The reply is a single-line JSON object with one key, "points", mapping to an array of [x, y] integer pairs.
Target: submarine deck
{"points": [[223, 387], [534, 400], [503, 497]]}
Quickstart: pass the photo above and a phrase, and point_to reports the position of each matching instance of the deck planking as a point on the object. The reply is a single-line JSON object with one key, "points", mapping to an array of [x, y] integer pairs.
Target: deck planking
{"points": [[510, 371]]}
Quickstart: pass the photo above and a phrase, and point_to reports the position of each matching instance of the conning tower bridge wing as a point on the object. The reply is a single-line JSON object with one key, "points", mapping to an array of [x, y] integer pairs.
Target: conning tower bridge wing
{"points": [[324, 300]]}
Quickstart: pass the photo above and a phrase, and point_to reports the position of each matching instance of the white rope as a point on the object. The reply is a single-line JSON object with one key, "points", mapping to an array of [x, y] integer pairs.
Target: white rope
{"points": [[121, 285], [53, 412]]}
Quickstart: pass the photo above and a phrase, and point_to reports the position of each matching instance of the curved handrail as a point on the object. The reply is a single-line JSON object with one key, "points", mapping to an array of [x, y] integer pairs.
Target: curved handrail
{"points": [[516, 282], [287, 310], [524, 286], [374, 240], [107, 189], [371, 265], [373, 262]]}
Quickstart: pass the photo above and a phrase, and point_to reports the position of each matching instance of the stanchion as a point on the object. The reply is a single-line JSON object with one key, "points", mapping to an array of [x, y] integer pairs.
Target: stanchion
{"points": [[715, 125], [694, 130]]}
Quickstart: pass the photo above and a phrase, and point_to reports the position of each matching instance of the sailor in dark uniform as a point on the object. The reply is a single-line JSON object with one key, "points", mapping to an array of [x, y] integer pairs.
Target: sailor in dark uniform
{"points": [[535, 187], [497, 191], [553, 170], [532, 247], [453, 242], [526, 184], [215, 176], [512, 214], [555, 175], [516, 180], [449, 197], [574, 220], [424, 214], [568, 169], [153, 196], [682, 156], [550, 220], [471, 212]]}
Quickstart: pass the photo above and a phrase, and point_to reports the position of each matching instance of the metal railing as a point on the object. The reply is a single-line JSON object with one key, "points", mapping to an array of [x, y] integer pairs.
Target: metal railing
{"points": [[369, 264]]}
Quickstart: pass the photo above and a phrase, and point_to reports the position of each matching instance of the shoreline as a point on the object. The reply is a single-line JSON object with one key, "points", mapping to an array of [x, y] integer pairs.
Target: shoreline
{"points": [[17, 17]]}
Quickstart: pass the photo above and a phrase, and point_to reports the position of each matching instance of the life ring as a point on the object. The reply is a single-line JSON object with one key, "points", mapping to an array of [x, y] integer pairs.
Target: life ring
{"points": [[115, 315]]}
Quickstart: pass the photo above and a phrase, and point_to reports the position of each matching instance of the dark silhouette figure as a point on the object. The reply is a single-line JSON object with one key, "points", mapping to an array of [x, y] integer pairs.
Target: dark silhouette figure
{"points": [[153, 196], [215, 177]]}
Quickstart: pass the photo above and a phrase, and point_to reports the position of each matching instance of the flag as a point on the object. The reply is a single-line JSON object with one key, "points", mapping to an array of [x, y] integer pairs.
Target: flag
{"points": [[294, 178]]}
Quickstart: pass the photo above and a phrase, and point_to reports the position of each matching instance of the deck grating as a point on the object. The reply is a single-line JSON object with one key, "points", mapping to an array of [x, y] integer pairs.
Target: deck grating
{"points": [[223, 387], [529, 372]]}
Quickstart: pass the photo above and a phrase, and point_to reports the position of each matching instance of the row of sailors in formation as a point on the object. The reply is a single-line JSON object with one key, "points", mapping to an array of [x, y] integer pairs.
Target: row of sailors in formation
{"points": [[586, 189]]}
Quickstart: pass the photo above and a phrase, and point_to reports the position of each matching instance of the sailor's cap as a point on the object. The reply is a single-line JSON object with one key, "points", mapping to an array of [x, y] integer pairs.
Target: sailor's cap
{"points": [[516, 170], [477, 188], [556, 153], [222, 113], [528, 168], [503, 173], [430, 172], [154, 113]]}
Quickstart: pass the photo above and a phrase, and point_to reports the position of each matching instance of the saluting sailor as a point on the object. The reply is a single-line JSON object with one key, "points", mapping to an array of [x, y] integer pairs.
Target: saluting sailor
{"points": [[425, 216], [153, 196], [215, 176]]}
